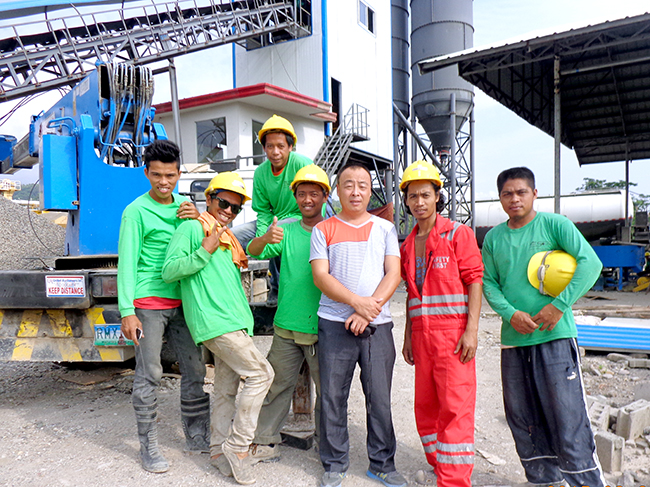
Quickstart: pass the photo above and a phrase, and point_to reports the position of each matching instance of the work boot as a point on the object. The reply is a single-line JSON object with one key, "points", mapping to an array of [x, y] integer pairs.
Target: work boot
{"points": [[150, 456], [221, 462], [195, 416], [264, 453], [242, 468]]}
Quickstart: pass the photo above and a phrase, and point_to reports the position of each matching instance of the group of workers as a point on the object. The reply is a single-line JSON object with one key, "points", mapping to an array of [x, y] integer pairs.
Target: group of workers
{"points": [[179, 279]]}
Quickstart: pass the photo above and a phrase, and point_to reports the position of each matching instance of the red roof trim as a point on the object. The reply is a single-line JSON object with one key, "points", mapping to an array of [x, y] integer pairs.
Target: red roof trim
{"points": [[245, 92]]}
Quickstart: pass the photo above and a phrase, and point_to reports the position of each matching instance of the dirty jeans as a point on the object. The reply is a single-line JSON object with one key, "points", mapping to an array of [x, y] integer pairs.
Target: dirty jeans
{"points": [[547, 414], [286, 358], [235, 358], [168, 323], [338, 355], [246, 232]]}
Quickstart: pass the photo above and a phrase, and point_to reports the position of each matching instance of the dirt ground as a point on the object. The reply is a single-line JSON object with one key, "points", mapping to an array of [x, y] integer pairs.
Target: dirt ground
{"points": [[57, 432]]}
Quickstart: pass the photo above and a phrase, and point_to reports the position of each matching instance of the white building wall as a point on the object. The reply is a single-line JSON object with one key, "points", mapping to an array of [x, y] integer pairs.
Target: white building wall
{"points": [[295, 65], [360, 60], [239, 130]]}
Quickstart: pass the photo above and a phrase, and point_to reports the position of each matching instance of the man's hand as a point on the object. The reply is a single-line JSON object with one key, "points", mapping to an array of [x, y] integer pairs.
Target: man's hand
{"points": [[129, 326], [407, 350], [356, 323], [187, 211], [523, 323], [367, 307], [467, 346], [274, 233], [211, 242], [548, 317]]}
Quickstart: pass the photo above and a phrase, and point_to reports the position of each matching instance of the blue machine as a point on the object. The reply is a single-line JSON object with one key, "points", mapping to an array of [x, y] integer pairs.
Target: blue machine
{"points": [[89, 146], [625, 258]]}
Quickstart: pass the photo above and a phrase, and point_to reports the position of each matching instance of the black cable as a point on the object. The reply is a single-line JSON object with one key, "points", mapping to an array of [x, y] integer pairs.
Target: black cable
{"points": [[29, 213]]}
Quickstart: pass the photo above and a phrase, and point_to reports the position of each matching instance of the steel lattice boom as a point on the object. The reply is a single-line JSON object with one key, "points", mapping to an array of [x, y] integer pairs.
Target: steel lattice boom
{"points": [[46, 54]]}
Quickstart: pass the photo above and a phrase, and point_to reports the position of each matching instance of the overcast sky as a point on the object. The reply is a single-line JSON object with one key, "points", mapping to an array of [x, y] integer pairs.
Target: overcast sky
{"points": [[502, 139]]}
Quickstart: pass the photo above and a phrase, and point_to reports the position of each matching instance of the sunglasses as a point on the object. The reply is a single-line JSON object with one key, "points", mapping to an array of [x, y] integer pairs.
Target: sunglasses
{"points": [[223, 204]]}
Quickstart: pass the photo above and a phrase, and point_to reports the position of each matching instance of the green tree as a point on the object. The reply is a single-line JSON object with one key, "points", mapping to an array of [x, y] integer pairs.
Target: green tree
{"points": [[641, 201], [590, 184], [23, 194]]}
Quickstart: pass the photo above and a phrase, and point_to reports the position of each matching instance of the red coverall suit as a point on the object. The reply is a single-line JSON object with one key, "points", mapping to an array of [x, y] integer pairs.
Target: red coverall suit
{"points": [[445, 388]]}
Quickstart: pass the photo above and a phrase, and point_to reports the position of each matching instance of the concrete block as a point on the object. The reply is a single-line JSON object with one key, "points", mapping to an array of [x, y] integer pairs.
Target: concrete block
{"points": [[610, 451], [599, 415], [617, 357], [638, 363], [642, 390], [633, 419]]}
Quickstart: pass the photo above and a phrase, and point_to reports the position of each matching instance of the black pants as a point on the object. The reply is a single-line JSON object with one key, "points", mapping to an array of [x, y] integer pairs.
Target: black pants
{"points": [[546, 411], [338, 354]]}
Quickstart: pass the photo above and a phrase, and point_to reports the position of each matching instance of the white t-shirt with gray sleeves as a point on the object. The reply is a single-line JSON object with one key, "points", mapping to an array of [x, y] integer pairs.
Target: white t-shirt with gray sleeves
{"points": [[356, 255]]}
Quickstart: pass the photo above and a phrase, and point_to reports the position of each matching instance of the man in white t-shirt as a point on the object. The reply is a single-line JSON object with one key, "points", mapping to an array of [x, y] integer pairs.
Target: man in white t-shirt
{"points": [[355, 263]]}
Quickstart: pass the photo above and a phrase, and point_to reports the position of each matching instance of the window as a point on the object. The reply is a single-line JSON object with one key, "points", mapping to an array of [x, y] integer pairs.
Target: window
{"points": [[367, 17], [210, 140], [258, 150]]}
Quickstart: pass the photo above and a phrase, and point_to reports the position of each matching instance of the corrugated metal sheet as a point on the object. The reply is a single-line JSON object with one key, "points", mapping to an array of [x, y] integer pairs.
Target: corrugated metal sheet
{"points": [[605, 85], [616, 334]]}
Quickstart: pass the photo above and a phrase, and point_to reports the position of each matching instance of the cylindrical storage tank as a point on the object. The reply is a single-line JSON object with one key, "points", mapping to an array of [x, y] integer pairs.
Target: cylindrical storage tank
{"points": [[399, 14], [440, 27]]}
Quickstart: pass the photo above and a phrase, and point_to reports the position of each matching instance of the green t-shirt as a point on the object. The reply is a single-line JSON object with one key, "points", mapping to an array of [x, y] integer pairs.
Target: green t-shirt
{"points": [[214, 302], [145, 231], [298, 296], [506, 253], [272, 195]]}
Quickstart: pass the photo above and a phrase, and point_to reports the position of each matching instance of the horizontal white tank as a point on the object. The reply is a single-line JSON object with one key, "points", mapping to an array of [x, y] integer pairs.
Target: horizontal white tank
{"points": [[596, 213]]}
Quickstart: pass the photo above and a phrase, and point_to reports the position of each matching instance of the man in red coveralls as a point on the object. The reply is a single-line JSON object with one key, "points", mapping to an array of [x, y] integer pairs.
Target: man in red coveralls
{"points": [[442, 267]]}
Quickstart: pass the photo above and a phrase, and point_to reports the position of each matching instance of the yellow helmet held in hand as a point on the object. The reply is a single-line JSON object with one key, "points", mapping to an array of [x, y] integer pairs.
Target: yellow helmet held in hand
{"points": [[311, 174], [277, 124], [228, 181], [551, 271], [420, 171]]}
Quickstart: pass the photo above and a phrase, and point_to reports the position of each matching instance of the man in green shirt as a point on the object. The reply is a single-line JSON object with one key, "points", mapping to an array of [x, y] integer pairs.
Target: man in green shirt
{"points": [[540, 364], [272, 195], [151, 308], [295, 336], [206, 258]]}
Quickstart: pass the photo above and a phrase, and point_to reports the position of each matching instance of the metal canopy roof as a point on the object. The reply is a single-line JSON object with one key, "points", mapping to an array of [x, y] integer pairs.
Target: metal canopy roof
{"points": [[604, 85]]}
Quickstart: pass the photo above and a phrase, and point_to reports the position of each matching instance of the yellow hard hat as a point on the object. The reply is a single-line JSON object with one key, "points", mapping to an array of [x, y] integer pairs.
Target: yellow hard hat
{"points": [[311, 174], [277, 124], [420, 171], [228, 181], [551, 271]]}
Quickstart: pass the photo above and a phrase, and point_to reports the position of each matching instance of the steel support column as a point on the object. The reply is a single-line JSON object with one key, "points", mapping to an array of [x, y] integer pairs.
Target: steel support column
{"points": [[557, 129], [173, 85], [452, 156], [471, 172]]}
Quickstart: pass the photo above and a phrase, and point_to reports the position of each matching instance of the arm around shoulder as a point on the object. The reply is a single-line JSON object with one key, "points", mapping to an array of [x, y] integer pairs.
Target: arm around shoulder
{"points": [[185, 256]]}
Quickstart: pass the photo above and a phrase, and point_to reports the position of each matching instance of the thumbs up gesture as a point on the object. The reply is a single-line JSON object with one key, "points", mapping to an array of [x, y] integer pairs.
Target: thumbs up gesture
{"points": [[274, 233], [211, 242]]}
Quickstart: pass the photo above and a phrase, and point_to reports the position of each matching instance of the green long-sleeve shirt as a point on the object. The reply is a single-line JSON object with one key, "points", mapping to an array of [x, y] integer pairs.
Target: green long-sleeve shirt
{"points": [[272, 195], [214, 302], [146, 229], [298, 296], [506, 253]]}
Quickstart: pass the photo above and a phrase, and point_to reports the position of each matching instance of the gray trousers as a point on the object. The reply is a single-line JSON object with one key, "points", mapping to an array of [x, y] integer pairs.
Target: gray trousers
{"points": [[286, 358], [338, 355], [234, 416], [545, 409], [169, 323]]}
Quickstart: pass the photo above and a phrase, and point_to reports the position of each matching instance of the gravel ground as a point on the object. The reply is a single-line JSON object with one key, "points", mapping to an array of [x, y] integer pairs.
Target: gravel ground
{"points": [[55, 432], [19, 238]]}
